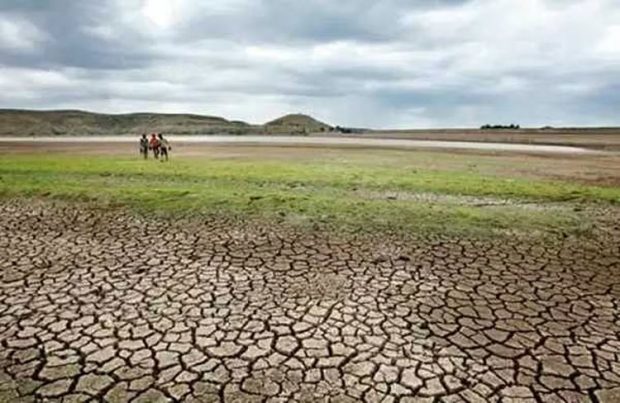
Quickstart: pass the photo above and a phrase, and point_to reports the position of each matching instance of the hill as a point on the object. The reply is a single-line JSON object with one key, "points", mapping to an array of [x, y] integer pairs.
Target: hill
{"points": [[72, 122], [296, 123], [15, 122]]}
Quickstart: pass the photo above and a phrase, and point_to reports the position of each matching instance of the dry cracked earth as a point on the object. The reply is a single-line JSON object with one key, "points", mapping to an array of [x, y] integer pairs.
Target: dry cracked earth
{"points": [[104, 306]]}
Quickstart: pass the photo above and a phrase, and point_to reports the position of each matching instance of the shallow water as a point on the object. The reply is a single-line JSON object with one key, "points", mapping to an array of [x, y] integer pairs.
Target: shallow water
{"points": [[320, 141]]}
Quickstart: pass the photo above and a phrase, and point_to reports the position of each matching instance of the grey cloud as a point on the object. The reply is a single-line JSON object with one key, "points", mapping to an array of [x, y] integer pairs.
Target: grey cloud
{"points": [[292, 21], [69, 43]]}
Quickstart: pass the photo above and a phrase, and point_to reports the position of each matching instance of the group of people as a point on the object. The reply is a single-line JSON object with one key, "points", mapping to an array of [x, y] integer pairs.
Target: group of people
{"points": [[157, 144]]}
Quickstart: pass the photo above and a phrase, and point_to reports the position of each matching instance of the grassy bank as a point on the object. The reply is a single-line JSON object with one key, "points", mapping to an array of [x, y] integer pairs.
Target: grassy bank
{"points": [[341, 196]]}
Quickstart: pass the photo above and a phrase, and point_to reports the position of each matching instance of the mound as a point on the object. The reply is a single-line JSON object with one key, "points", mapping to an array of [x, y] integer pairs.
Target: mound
{"points": [[296, 123]]}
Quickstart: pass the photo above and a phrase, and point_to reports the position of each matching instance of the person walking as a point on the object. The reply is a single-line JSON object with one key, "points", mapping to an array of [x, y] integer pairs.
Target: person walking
{"points": [[144, 146], [164, 147], [154, 145]]}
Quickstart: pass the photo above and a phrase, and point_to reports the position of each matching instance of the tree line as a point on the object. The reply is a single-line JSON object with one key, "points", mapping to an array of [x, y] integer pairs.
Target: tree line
{"points": [[493, 127]]}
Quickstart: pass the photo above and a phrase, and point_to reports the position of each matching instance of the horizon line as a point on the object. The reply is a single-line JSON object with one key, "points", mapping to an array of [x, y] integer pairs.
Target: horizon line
{"points": [[541, 127]]}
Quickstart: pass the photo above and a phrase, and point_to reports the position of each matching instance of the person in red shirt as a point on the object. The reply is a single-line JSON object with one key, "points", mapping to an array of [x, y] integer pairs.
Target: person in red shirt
{"points": [[154, 145]]}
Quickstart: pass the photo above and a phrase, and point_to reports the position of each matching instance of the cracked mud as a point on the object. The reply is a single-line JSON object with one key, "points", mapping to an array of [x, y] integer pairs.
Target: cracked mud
{"points": [[104, 306]]}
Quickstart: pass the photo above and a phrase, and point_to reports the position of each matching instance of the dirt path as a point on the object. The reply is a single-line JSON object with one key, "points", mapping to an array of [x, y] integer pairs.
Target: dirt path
{"points": [[322, 141], [102, 306]]}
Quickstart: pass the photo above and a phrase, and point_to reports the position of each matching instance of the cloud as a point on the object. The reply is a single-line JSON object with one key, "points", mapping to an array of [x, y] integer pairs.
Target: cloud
{"points": [[19, 35], [394, 63]]}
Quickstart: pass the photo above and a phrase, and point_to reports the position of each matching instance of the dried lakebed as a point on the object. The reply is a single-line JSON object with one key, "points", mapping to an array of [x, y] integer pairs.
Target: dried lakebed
{"points": [[103, 306]]}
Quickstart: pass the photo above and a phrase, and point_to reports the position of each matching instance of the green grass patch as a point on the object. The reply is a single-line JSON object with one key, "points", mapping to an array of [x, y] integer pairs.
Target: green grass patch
{"points": [[305, 193]]}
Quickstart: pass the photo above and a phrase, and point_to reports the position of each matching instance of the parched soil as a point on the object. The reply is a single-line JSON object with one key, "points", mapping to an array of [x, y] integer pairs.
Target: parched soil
{"points": [[102, 305]]}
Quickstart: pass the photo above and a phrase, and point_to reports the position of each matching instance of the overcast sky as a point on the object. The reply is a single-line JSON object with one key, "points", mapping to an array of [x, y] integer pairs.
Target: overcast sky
{"points": [[366, 63]]}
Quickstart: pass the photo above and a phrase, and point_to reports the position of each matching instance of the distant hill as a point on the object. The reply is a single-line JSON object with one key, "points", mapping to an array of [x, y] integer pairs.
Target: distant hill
{"points": [[296, 123], [71, 122], [15, 122]]}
